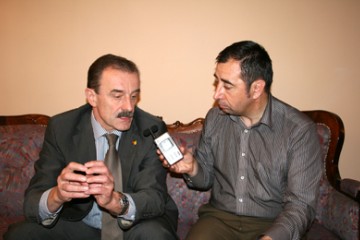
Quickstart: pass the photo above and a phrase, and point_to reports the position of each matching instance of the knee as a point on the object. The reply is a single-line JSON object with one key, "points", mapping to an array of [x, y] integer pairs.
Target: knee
{"points": [[10, 234], [152, 229], [21, 230], [158, 231]]}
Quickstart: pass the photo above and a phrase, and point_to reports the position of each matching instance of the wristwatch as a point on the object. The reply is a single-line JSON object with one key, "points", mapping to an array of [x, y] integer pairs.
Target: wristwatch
{"points": [[124, 202]]}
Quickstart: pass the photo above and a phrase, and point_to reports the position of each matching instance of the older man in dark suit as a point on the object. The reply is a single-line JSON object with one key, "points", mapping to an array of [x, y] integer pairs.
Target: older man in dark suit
{"points": [[74, 189]]}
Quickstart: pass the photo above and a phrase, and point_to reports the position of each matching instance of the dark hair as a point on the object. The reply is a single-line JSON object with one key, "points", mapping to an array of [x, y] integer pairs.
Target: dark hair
{"points": [[255, 62], [103, 62]]}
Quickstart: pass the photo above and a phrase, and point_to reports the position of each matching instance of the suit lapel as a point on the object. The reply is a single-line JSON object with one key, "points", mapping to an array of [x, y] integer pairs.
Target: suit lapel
{"points": [[82, 150], [83, 139], [129, 142]]}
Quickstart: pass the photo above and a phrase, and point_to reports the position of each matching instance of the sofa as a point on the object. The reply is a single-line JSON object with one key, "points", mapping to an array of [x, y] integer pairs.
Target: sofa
{"points": [[337, 211]]}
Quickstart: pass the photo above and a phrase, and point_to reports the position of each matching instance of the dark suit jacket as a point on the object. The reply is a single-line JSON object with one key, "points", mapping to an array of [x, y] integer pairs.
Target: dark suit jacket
{"points": [[69, 137]]}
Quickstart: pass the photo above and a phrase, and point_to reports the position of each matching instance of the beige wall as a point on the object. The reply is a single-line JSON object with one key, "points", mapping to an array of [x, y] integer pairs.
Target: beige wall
{"points": [[47, 46]]}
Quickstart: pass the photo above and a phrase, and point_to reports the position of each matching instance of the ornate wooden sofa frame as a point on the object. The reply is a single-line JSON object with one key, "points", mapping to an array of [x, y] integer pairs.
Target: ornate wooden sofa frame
{"points": [[337, 214]]}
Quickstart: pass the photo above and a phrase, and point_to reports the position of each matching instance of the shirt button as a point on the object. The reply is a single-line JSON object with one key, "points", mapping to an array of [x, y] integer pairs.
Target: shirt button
{"points": [[243, 154], [246, 131], [240, 200], [242, 177]]}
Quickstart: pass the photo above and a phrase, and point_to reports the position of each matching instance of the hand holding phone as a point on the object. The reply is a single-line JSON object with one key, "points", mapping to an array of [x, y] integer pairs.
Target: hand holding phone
{"points": [[166, 145], [168, 148]]}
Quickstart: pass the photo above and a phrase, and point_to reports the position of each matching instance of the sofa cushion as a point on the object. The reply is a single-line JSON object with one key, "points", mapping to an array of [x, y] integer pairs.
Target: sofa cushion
{"points": [[188, 202], [319, 232], [19, 149], [336, 213]]}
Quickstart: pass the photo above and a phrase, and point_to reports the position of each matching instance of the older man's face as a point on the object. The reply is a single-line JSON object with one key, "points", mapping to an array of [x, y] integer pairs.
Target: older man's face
{"points": [[114, 104]]}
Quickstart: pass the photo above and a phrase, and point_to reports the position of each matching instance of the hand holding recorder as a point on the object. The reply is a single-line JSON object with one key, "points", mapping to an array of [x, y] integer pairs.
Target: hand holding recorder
{"points": [[179, 160]]}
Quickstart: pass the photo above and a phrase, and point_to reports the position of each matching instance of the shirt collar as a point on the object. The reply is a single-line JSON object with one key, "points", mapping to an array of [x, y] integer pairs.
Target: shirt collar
{"points": [[266, 117]]}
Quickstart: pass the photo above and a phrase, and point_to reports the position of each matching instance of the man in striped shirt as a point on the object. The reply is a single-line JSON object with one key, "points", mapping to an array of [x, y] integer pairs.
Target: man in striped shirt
{"points": [[260, 156]]}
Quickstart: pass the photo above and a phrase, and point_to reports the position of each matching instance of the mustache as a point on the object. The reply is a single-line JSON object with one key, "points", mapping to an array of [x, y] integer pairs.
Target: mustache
{"points": [[129, 114]]}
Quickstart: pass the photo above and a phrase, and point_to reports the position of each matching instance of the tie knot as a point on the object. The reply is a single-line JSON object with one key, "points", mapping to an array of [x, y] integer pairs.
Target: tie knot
{"points": [[111, 138]]}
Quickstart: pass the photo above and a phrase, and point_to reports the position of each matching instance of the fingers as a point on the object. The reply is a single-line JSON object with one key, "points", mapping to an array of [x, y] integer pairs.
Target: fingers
{"points": [[93, 166], [180, 166], [163, 159], [73, 172], [165, 164], [71, 183], [75, 179], [81, 181], [100, 180], [72, 177], [97, 173]]}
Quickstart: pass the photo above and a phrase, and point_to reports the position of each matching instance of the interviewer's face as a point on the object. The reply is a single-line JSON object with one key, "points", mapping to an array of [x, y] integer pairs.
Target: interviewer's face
{"points": [[114, 104], [231, 92]]}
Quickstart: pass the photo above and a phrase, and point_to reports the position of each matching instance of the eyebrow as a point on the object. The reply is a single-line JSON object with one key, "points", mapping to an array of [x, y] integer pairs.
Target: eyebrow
{"points": [[223, 80], [121, 91]]}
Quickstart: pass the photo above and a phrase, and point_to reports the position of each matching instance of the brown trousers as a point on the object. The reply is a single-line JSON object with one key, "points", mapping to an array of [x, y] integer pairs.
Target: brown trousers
{"points": [[214, 224]]}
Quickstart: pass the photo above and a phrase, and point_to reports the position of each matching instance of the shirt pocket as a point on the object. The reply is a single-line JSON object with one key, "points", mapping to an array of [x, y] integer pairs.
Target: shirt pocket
{"points": [[269, 180]]}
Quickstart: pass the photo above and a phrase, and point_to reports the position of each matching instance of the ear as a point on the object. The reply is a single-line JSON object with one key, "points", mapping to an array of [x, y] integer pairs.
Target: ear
{"points": [[258, 88], [91, 96]]}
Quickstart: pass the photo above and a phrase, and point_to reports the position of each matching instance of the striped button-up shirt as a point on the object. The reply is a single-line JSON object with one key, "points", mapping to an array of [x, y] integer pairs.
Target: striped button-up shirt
{"points": [[270, 170]]}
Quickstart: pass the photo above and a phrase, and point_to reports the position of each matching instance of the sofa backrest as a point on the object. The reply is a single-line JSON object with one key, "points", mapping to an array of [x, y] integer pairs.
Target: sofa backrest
{"points": [[331, 135], [21, 139]]}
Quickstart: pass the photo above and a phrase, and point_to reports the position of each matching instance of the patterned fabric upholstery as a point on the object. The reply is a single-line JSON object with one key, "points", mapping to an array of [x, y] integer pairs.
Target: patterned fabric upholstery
{"points": [[188, 201], [334, 210], [19, 148]]}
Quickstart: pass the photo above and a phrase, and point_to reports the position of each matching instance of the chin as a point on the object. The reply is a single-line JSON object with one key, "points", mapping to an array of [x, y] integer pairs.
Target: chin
{"points": [[123, 125], [224, 109]]}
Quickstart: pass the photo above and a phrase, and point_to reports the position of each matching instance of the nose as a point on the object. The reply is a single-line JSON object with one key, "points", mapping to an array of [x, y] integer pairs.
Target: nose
{"points": [[218, 92], [128, 104]]}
